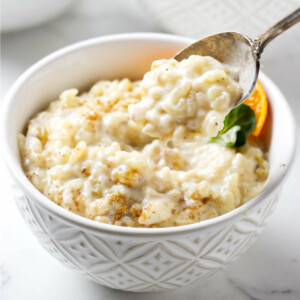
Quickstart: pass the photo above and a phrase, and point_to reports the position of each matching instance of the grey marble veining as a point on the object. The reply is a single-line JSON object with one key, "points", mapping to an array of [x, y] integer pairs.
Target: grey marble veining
{"points": [[270, 269]]}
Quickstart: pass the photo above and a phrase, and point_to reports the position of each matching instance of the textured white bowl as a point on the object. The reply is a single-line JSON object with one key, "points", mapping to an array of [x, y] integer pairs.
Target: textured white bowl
{"points": [[134, 259], [199, 18]]}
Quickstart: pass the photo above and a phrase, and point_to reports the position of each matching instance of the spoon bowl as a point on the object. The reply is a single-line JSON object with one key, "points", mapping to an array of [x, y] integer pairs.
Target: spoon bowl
{"points": [[239, 51], [230, 48]]}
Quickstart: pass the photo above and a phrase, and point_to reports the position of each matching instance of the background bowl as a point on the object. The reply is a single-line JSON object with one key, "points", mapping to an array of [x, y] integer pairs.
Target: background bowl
{"points": [[134, 259], [21, 14]]}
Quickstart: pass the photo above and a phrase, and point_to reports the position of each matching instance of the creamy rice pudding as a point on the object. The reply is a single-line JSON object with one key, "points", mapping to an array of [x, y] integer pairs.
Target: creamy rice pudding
{"points": [[137, 153]]}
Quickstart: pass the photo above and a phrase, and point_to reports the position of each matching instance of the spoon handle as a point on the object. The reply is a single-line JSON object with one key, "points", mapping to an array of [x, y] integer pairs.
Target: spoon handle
{"points": [[262, 40]]}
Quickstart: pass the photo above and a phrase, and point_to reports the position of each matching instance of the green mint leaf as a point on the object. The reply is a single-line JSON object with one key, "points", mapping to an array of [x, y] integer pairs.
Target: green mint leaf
{"points": [[228, 138], [238, 124]]}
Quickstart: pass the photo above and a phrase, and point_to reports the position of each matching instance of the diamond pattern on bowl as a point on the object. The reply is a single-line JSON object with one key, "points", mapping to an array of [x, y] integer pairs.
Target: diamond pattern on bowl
{"points": [[157, 262], [141, 263], [194, 272]]}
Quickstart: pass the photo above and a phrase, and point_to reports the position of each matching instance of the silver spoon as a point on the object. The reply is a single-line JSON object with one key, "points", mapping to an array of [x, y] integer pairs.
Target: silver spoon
{"points": [[239, 51]]}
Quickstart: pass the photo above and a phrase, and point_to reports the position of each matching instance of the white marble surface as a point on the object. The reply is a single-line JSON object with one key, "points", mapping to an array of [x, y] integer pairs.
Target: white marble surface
{"points": [[270, 269]]}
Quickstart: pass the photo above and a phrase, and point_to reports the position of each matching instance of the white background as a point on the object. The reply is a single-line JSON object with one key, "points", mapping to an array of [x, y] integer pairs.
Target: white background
{"points": [[270, 269]]}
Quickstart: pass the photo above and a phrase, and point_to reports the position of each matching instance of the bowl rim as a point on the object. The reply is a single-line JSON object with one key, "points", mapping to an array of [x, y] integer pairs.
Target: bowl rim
{"points": [[42, 201]]}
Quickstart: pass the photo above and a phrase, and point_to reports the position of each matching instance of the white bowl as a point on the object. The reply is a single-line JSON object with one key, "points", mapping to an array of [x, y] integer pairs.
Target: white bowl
{"points": [[199, 18], [134, 259], [20, 14]]}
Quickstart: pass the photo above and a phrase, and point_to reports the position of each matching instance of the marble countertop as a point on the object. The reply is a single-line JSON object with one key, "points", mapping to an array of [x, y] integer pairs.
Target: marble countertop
{"points": [[270, 269]]}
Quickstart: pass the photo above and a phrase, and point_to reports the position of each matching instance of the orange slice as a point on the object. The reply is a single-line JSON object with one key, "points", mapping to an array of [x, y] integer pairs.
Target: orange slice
{"points": [[259, 103]]}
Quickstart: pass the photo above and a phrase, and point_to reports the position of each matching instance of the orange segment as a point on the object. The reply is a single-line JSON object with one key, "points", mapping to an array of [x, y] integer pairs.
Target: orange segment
{"points": [[259, 103]]}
